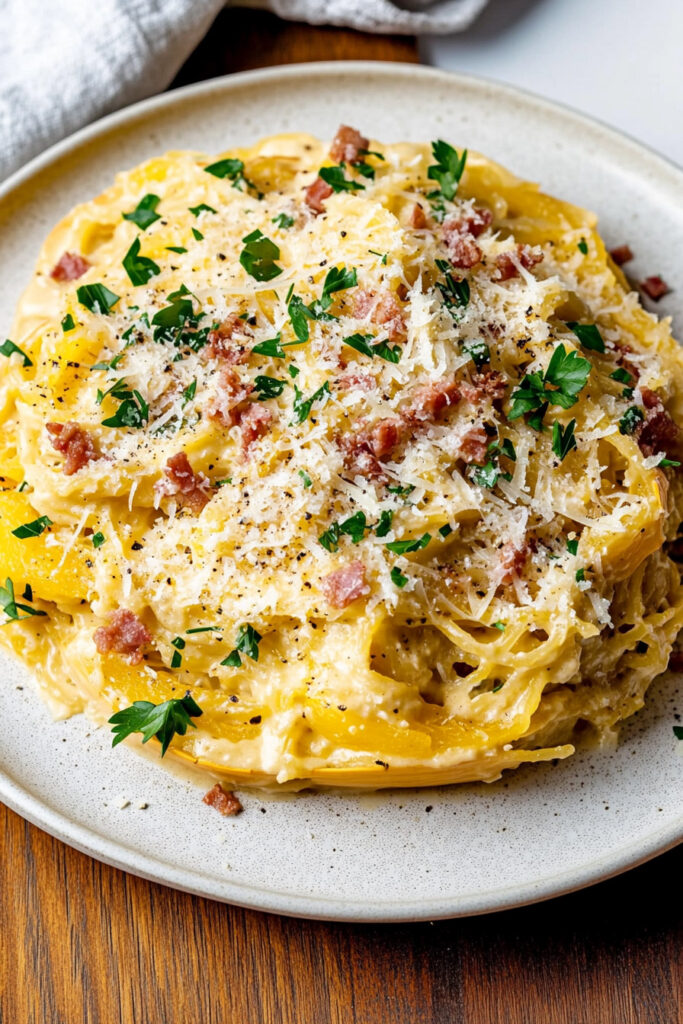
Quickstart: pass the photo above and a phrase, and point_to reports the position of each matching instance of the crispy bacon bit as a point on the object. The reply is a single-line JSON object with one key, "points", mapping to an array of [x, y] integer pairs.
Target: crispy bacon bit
{"points": [[512, 561], [474, 445], [343, 586], [125, 634], [508, 263], [180, 481], [316, 194], [227, 404], [658, 432], [473, 223], [623, 352], [347, 145], [385, 435], [428, 401], [417, 217], [223, 346], [621, 254], [655, 287], [368, 444], [224, 802], [69, 267], [355, 380], [75, 443], [463, 252], [383, 309], [254, 423], [489, 384]]}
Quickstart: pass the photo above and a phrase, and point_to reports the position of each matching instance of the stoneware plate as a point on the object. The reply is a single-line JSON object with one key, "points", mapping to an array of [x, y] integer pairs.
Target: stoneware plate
{"points": [[388, 857]]}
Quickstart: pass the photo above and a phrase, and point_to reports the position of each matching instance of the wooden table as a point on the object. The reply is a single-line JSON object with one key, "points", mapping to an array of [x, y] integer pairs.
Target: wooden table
{"points": [[82, 943]]}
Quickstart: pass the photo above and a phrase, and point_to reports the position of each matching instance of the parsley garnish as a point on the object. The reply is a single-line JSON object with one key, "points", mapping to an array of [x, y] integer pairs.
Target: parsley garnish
{"points": [[97, 298], [293, 371], [622, 375], [307, 482], [330, 538], [630, 420], [140, 269], [98, 539], [176, 657], [501, 626], [563, 439], [233, 170], [567, 374], [176, 248], [133, 410], [445, 530], [397, 577], [456, 294], [33, 529], [478, 351], [383, 256], [401, 547], [160, 720], [384, 525], [174, 315], [144, 213], [189, 392], [109, 365], [580, 575], [246, 642], [354, 527], [488, 474], [202, 208], [259, 255], [589, 336], [68, 323], [302, 406], [8, 347], [11, 607], [268, 387], [204, 629], [199, 237], [582, 246], [272, 347], [283, 220], [337, 180], [447, 171], [573, 545], [402, 492], [359, 342], [669, 462], [337, 279]]}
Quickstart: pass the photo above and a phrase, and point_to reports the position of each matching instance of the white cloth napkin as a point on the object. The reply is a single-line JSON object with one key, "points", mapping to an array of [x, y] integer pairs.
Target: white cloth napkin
{"points": [[64, 63]]}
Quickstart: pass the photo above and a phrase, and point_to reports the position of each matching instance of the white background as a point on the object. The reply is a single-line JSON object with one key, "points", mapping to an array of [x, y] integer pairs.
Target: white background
{"points": [[620, 61]]}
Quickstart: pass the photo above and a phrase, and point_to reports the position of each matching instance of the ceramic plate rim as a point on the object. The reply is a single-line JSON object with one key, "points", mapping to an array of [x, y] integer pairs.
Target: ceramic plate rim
{"points": [[118, 855]]}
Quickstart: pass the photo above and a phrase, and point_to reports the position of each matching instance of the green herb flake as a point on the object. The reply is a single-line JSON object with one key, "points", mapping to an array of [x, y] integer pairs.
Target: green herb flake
{"points": [[573, 545], [259, 255], [161, 720], [283, 220], [402, 547], [382, 255], [337, 180], [176, 659], [397, 578], [402, 492], [233, 170], [582, 246], [306, 480], [589, 335], [202, 208], [97, 298], [354, 527], [140, 269], [622, 375], [204, 629], [68, 323], [499, 625], [189, 392], [11, 607], [669, 462], [246, 642], [448, 169], [445, 530], [678, 731], [567, 374], [144, 213], [176, 248], [302, 406], [563, 439], [580, 575], [384, 525], [198, 235], [98, 539], [133, 410], [268, 387], [360, 342], [330, 538], [293, 371], [455, 292], [478, 351], [631, 419], [8, 348], [33, 529]]}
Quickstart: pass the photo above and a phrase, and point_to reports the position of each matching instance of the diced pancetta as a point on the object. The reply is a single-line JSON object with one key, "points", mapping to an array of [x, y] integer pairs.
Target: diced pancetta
{"points": [[316, 194], [69, 267], [227, 342], [347, 145], [255, 421], [223, 801], [190, 489], [655, 287], [512, 560], [417, 218], [125, 634], [487, 385], [75, 443], [429, 401], [382, 309], [353, 380], [621, 254], [473, 444], [227, 403], [657, 432], [344, 586], [508, 263]]}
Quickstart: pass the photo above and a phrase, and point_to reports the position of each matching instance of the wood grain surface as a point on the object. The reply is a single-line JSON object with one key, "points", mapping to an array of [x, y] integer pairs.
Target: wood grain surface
{"points": [[82, 943]]}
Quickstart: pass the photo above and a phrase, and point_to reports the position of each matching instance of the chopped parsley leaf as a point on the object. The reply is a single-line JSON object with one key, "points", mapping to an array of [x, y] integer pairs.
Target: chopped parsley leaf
{"points": [[33, 529], [204, 629], [573, 545], [144, 213], [499, 625], [160, 720], [202, 208], [97, 298], [630, 420], [233, 170], [271, 347], [456, 293], [176, 659], [337, 180], [478, 351], [397, 577], [448, 169], [401, 547], [365, 169], [307, 482], [110, 365], [383, 256], [140, 269], [133, 410], [582, 246], [563, 439], [293, 371], [189, 392], [354, 527], [283, 220], [678, 731], [246, 642], [198, 235], [259, 255], [384, 525], [622, 375], [580, 575], [8, 347], [98, 539], [68, 323], [330, 538], [176, 248], [589, 336], [268, 387], [359, 342], [567, 374], [402, 492], [302, 406], [669, 462], [488, 475], [11, 607], [445, 530], [337, 279]]}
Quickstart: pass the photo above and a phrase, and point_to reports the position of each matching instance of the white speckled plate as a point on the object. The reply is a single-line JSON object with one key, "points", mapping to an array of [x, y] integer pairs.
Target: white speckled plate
{"points": [[402, 856]]}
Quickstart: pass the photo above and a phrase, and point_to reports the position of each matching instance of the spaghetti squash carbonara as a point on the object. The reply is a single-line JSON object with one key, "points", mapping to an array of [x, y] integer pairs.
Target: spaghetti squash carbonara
{"points": [[352, 464]]}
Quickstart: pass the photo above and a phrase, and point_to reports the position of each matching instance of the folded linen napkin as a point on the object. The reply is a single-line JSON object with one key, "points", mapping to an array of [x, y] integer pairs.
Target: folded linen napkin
{"points": [[66, 63]]}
